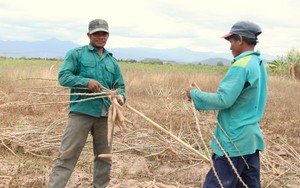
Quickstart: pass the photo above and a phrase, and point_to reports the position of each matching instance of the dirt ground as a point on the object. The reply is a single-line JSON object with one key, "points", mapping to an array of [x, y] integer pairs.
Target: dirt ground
{"points": [[129, 170]]}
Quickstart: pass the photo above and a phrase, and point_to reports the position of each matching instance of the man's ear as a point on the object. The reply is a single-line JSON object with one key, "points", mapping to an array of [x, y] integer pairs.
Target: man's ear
{"points": [[88, 34], [240, 40]]}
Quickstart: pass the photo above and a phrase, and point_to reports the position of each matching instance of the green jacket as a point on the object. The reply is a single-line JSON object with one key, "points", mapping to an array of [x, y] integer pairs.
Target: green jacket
{"points": [[241, 100], [82, 64]]}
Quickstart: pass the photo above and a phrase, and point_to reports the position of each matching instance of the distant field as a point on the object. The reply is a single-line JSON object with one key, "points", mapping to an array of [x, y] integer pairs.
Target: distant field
{"points": [[33, 110]]}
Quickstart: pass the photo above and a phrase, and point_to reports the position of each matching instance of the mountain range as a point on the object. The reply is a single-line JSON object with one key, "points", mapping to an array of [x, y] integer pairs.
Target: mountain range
{"points": [[54, 48]]}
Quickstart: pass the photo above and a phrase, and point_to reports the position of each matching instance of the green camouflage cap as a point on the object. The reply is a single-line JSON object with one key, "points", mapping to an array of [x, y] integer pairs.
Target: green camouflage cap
{"points": [[98, 25]]}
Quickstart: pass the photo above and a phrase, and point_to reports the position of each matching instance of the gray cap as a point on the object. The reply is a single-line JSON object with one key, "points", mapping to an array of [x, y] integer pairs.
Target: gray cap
{"points": [[98, 25], [244, 28]]}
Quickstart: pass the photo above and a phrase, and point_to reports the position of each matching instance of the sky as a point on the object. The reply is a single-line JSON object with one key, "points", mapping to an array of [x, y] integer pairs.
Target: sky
{"points": [[193, 24]]}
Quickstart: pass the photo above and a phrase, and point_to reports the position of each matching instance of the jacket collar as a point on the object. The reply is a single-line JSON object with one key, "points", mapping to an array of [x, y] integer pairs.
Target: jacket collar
{"points": [[244, 54], [92, 48]]}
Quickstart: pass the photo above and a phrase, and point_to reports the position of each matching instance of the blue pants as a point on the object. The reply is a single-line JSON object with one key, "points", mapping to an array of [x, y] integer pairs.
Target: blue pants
{"points": [[250, 176]]}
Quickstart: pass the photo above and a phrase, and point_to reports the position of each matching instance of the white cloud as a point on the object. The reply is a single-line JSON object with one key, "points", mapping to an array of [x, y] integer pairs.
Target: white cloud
{"points": [[195, 24]]}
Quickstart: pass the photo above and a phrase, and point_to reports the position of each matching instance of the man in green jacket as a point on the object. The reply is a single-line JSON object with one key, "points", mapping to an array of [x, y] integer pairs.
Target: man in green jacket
{"points": [[88, 69], [241, 100]]}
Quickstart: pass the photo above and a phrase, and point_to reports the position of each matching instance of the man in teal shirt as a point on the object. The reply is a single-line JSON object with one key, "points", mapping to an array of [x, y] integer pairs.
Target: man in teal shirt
{"points": [[241, 100], [88, 69]]}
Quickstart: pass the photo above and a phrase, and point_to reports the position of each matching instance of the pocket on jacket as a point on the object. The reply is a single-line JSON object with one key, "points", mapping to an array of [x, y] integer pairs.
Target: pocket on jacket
{"points": [[109, 75], [88, 69]]}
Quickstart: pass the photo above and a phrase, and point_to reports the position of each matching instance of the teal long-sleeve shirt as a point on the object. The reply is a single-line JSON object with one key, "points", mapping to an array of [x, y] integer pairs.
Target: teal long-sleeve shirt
{"points": [[83, 64], [240, 99]]}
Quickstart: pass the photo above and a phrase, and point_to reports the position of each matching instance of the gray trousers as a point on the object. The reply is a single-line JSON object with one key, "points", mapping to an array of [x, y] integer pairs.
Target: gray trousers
{"points": [[73, 141]]}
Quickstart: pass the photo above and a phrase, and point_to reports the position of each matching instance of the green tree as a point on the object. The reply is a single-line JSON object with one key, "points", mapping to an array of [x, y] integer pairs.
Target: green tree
{"points": [[220, 63], [287, 65]]}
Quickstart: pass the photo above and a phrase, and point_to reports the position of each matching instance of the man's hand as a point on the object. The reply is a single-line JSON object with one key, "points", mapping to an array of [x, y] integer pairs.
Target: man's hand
{"points": [[95, 86], [120, 99], [187, 92]]}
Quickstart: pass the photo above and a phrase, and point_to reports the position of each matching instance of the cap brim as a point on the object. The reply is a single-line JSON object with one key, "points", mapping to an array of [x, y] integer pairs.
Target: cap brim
{"points": [[227, 35], [99, 29]]}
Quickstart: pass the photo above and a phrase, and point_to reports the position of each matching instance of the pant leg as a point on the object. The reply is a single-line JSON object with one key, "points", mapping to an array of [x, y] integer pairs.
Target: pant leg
{"points": [[102, 167], [229, 179], [251, 176], [224, 171], [72, 143]]}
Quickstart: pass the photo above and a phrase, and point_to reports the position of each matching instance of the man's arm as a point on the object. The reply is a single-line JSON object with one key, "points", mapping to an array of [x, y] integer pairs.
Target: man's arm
{"points": [[67, 75], [228, 91]]}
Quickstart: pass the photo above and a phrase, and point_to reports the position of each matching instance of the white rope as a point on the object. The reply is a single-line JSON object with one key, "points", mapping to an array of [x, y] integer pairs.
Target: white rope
{"points": [[219, 144], [203, 142]]}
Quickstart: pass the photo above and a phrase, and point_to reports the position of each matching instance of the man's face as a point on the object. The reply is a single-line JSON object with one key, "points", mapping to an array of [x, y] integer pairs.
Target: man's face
{"points": [[98, 39], [235, 46]]}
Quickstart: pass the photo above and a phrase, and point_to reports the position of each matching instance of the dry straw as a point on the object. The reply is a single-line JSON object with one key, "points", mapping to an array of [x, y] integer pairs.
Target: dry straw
{"points": [[39, 141], [168, 133], [5, 181], [115, 116]]}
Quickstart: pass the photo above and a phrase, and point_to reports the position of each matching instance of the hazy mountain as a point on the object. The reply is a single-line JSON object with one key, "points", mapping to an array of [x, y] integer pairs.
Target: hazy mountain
{"points": [[180, 55], [216, 61], [54, 48]]}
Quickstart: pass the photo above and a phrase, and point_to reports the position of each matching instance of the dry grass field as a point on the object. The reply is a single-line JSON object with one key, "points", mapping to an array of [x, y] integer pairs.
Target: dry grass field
{"points": [[33, 112]]}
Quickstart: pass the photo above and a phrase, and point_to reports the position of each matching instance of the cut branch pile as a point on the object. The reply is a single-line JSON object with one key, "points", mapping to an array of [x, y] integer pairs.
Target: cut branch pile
{"points": [[40, 142], [5, 181]]}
